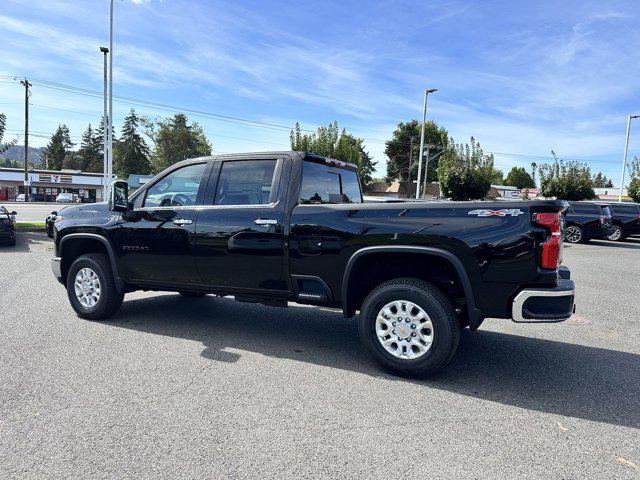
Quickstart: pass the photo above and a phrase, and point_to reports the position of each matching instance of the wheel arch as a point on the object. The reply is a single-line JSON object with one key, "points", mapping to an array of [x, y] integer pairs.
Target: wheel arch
{"points": [[76, 244], [474, 314]]}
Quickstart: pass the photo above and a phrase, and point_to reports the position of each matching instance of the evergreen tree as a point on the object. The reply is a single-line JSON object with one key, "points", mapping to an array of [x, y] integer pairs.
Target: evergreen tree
{"points": [[89, 155], [3, 126], [57, 148], [131, 154], [601, 181], [518, 177], [175, 140], [98, 141]]}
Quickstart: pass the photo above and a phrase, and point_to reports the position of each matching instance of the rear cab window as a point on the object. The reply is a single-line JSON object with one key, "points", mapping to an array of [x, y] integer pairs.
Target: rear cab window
{"points": [[625, 209], [327, 184], [586, 208], [247, 182]]}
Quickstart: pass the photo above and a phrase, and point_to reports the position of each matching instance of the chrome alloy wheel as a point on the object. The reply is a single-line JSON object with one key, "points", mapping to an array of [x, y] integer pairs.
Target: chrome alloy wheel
{"points": [[404, 329], [573, 234], [616, 234], [87, 287]]}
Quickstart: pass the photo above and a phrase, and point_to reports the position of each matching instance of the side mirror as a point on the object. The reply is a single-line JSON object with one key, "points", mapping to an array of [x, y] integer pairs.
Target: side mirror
{"points": [[54, 213], [119, 196], [14, 213]]}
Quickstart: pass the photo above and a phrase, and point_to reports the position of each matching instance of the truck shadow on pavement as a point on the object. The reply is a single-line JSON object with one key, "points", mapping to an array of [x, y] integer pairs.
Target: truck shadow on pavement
{"points": [[566, 379], [27, 241], [633, 243]]}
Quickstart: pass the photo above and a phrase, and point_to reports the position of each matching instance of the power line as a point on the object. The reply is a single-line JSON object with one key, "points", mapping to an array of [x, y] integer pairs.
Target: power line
{"points": [[234, 119]]}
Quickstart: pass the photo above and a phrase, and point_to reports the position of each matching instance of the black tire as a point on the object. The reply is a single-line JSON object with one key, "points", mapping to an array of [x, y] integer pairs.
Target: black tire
{"points": [[617, 234], [110, 299], [574, 234], [192, 294], [446, 328]]}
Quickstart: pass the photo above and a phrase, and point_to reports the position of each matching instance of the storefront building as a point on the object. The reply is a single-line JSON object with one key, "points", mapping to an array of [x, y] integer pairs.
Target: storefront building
{"points": [[46, 185]]}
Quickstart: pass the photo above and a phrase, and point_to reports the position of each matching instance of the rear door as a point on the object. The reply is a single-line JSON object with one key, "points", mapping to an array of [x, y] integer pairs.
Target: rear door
{"points": [[240, 237], [156, 240]]}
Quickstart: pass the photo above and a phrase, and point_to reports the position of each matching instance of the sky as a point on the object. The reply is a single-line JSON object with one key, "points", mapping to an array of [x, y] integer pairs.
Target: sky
{"points": [[523, 78]]}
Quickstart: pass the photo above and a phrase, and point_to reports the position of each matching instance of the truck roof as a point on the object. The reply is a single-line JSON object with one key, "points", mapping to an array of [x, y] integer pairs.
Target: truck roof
{"points": [[292, 153]]}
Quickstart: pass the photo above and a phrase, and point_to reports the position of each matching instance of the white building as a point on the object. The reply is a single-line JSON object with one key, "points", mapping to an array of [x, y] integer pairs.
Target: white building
{"points": [[45, 185]]}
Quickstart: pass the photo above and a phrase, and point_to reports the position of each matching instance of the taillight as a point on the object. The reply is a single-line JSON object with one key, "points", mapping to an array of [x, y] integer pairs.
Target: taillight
{"points": [[551, 246]]}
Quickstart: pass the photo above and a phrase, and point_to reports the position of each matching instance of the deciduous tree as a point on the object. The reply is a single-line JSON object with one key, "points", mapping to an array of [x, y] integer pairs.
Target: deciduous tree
{"points": [[330, 142], [174, 140], [398, 149], [568, 180], [465, 172]]}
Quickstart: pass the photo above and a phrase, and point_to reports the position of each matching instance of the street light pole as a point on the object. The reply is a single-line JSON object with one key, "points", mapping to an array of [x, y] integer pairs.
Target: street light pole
{"points": [[105, 129], [110, 123], [424, 121], [624, 161]]}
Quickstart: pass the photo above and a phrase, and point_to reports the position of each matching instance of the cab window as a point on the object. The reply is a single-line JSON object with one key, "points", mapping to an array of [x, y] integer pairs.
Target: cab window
{"points": [[325, 184], [246, 182], [177, 189]]}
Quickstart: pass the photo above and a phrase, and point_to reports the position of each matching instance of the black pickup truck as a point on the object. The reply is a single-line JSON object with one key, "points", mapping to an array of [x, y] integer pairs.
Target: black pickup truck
{"points": [[285, 227]]}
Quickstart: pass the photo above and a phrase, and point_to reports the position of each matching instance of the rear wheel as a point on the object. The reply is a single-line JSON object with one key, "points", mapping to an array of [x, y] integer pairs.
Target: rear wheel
{"points": [[91, 288], [574, 234], [409, 326], [616, 234]]}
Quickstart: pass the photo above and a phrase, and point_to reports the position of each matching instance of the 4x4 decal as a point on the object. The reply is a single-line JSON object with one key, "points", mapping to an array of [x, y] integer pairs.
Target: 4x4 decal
{"points": [[513, 212]]}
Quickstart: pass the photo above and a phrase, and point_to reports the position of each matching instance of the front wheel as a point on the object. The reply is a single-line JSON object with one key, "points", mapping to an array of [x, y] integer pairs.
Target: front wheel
{"points": [[91, 288], [616, 234], [574, 234], [409, 326]]}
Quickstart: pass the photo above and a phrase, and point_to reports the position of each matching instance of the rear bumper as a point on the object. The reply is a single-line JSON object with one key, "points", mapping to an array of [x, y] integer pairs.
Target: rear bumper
{"points": [[56, 268], [545, 305]]}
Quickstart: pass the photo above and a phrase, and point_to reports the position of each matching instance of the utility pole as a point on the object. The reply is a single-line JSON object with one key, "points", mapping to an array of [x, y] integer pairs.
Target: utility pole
{"points": [[424, 121], [409, 172], [26, 84], [110, 131], [426, 167], [105, 124], [624, 161]]}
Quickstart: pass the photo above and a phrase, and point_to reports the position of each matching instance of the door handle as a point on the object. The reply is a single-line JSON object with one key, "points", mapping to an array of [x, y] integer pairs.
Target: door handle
{"points": [[183, 221], [265, 221]]}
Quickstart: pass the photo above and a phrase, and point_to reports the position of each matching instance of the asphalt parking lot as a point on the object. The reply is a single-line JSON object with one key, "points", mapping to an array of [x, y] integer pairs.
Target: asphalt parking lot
{"points": [[210, 388]]}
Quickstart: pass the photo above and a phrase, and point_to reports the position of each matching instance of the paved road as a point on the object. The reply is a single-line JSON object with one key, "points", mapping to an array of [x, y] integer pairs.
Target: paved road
{"points": [[31, 211], [210, 388]]}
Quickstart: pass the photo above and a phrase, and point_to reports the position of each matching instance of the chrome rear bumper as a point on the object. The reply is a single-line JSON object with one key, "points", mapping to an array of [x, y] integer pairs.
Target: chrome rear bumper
{"points": [[545, 305]]}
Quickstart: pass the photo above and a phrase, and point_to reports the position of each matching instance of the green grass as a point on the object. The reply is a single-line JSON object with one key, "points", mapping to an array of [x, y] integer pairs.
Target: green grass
{"points": [[29, 225]]}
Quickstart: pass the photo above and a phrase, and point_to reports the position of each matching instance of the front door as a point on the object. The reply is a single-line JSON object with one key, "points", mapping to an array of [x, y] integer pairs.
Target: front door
{"points": [[240, 235], [156, 240]]}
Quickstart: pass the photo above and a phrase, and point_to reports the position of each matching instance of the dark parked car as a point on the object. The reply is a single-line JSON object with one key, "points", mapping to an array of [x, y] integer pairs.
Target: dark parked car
{"points": [[281, 227], [626, 220], [586, 220], [7, 226], [48, 223]]}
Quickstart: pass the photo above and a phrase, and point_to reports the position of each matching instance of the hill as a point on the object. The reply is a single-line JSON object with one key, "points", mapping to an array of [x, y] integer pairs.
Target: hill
{"points": [[15, 156]]}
